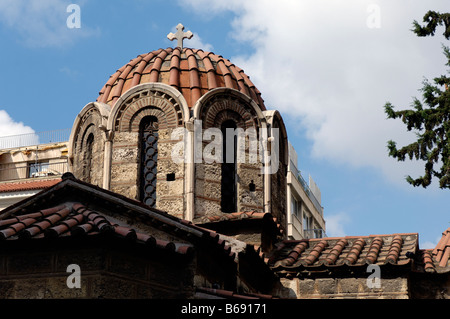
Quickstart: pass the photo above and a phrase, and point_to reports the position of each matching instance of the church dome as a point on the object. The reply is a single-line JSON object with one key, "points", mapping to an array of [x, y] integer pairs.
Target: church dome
{"points": [[193, 72]]}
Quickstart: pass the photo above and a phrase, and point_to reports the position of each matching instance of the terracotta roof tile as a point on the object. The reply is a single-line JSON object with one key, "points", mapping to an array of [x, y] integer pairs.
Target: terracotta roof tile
{"points": [[437, 259], [428, 261], [338, 252], [394, 249], [28, 185], [186, 68], [355, 251]]}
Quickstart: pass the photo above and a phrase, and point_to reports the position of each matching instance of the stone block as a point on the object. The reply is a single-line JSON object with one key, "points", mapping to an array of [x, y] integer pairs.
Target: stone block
{"points": [[306, 287], [326, 286], [126, 154], [126, 266], [125, 138], [87, 260], [110, 287], [32, 263], [7, 288], [349, 285], [30, 288], [56, 288]]}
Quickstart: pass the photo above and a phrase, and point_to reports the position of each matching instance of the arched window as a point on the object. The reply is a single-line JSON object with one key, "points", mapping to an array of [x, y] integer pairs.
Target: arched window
{"points": [[88, 158], [148, 137], [228, 185]]}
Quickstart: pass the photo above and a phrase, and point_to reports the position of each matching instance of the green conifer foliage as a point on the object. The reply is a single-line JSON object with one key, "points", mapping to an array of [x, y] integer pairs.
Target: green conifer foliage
{"points": [[430, 118]]}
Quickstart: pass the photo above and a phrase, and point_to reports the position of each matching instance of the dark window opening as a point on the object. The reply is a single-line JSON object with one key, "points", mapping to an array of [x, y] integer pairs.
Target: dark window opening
{"points": [[170, 177], [228, 186], [252, 186], [88, 158], [148, 136]]}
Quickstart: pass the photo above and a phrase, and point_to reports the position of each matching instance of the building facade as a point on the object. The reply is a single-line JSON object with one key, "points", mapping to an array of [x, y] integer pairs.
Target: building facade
{"points": [[304, 209], [30, 163]]}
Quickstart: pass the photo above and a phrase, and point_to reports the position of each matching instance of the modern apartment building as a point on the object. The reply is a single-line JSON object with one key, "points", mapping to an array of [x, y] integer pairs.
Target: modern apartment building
{"points": [[305, 212], [30, 163]]}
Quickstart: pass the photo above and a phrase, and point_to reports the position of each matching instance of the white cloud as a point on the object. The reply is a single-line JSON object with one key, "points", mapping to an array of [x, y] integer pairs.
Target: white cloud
{"points": [[42, 23], [197, 42], [9, 127], [335, 224], [428, 245], [320, 64]]}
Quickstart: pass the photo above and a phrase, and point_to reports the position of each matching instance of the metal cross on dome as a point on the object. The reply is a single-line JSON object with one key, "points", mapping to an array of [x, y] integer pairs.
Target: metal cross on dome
{"points": [[180, 35]]}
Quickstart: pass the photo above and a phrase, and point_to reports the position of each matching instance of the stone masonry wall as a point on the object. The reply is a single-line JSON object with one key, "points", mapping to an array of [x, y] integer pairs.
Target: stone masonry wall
{"points": [[342, 288], [125, 167], [104, 274]]}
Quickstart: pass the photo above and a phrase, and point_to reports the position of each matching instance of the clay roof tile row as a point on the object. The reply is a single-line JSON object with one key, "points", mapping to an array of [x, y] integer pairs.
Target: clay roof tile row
{"points": [[77, 220], [441, 252], [28, 185], [350, 251]]}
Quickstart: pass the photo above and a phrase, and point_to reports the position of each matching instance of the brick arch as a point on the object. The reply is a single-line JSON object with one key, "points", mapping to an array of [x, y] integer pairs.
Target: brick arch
{"points": [[90, 130], [86, 161], [227, 114], [148, 102], [223, 107], [148, 111], [89, 122]]}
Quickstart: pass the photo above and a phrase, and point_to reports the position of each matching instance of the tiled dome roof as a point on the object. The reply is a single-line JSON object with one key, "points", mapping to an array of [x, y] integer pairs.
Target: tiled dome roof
{"points": [[193, 72]]}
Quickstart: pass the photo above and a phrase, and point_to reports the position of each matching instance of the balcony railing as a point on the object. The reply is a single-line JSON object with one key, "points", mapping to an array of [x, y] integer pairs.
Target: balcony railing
{"points": [[314, 233], [32, 170], [24, 140], [306, 188]]}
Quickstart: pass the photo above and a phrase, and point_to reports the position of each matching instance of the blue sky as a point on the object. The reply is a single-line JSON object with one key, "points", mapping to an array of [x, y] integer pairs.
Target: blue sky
{"points": [[328, 66]]}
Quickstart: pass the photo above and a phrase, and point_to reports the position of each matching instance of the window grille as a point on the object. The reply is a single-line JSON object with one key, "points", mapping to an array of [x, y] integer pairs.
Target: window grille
{"points": [[149, 158]]}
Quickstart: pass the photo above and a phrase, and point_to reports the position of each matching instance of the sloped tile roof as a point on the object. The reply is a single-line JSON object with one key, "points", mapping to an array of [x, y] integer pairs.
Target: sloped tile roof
{"points": [[338, 252], [442, 250], [192, 72], [437, 259], [28, 185], [75, 219]]}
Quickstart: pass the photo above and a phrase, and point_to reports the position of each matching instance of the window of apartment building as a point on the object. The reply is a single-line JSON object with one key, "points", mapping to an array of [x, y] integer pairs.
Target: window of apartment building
{"points": [[318, 233], [38, 169], [307, 221]]}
